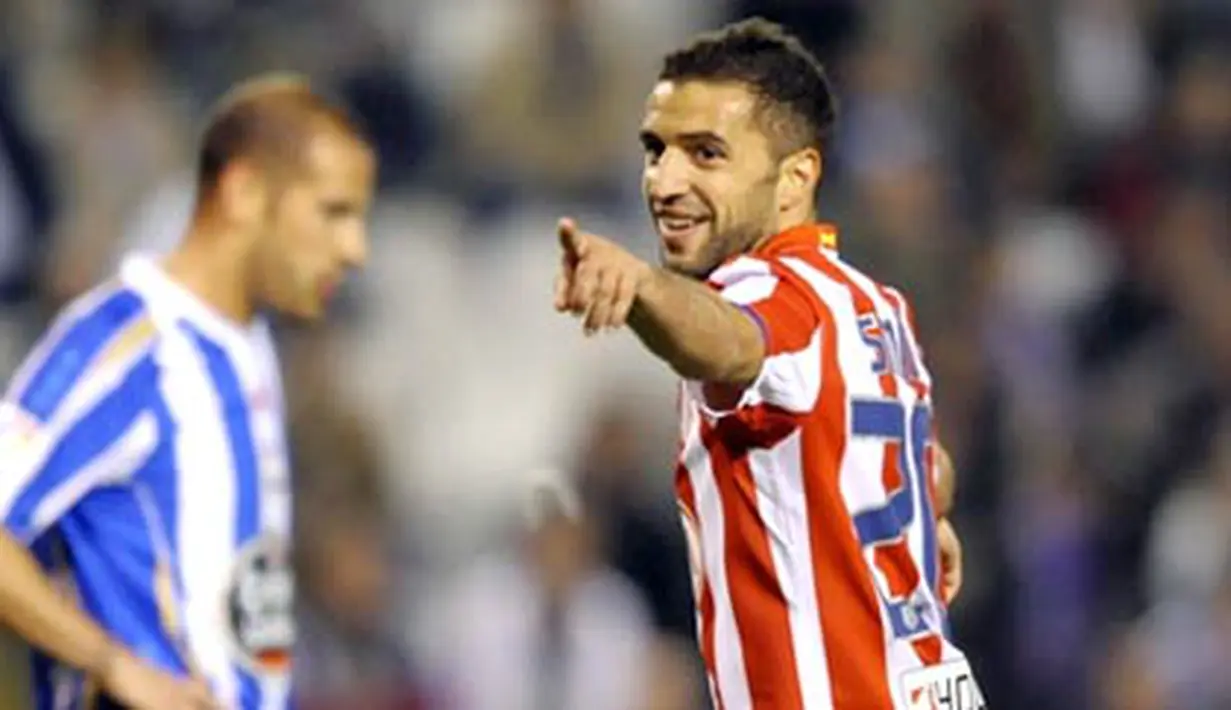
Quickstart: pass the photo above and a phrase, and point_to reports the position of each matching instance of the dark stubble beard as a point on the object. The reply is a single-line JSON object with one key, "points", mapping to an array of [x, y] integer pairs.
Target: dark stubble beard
{"points": [[723, 245], [736, 239], [719, 248]]}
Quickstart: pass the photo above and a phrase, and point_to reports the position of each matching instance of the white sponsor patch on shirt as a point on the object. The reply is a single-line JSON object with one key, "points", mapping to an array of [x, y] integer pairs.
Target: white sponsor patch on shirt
{"points": [[949, 686]]}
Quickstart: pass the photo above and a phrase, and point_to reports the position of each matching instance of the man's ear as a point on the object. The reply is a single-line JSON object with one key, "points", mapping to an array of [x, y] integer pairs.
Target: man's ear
{"points": [[243, 193], [798, 178]]}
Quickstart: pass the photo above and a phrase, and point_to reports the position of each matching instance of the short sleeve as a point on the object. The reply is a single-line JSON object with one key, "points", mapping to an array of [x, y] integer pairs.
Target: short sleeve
{"points": [[70, 426], [790, 319]]}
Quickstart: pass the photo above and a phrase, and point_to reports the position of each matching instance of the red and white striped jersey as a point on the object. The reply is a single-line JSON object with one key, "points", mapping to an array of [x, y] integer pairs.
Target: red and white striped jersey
{"points": [[808, 503]]}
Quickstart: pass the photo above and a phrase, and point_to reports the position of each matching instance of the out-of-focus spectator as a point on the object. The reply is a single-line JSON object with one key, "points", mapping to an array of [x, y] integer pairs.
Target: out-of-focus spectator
{"points": [[110, 116], [25, 196], [1053, 556], [547, 626], [827, 28], [1191, 536], [1104, 78], [555, 108], [1177, 655], [900, 221], [336, 455], [1127, 675], [351, 648], [638, 537], [26, 204]]}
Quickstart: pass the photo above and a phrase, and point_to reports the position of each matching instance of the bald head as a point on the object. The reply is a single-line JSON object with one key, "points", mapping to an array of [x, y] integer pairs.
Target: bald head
{"points": [[267, 122]]}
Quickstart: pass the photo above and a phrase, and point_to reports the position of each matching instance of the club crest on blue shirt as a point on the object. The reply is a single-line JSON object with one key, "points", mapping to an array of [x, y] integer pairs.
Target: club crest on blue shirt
{"points": [[260, 606]]}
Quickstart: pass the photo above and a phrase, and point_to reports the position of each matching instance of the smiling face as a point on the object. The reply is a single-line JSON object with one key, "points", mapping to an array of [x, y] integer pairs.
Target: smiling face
{"points": [[711, 177]]}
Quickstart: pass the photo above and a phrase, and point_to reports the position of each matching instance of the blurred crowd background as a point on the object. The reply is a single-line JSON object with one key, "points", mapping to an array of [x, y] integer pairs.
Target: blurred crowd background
{"points": [[1047, 178]]}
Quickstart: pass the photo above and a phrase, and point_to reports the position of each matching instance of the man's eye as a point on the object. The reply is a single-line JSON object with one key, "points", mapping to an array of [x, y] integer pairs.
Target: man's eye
{"points": [[653, 151], [707, 153], [337, 210]]}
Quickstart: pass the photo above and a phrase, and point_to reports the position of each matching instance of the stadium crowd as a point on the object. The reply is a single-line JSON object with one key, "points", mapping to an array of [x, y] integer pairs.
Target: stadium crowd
{"points": [[1047, 180]]}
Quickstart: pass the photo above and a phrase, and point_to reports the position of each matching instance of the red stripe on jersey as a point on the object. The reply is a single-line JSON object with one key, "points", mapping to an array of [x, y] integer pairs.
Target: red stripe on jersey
{"points": [[901, 574], [760, 426], [757, 599], [930, 649], [702, 593], [848, 604], [786, 316], [892, 477]]}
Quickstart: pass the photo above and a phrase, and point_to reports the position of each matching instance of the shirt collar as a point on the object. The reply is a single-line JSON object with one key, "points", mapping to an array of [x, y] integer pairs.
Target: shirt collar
{"points": [[144, 273], [805, 236]]}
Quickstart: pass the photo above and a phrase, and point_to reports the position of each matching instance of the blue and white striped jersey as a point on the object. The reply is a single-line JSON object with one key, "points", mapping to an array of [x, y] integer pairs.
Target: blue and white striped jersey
{"points": [[143, 459]]}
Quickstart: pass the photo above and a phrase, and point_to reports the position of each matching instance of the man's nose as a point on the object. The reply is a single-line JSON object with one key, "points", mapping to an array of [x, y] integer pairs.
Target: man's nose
{"points": [[669, 178], [355, 248]]}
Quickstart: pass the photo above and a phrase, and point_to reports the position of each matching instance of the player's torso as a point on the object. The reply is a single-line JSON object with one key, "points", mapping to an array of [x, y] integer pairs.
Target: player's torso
{"points": [[813, 547], [188, 562], [234, 517]]}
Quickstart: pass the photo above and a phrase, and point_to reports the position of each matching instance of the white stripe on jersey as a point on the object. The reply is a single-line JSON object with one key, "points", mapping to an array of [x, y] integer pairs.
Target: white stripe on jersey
{"points": [[854, 361], [206, 511], [711, 523], [125, 454], [787, 511]]}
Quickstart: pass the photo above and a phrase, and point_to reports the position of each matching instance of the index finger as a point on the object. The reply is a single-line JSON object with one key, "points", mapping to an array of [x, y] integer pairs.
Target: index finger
{"points": [[572, 239]]}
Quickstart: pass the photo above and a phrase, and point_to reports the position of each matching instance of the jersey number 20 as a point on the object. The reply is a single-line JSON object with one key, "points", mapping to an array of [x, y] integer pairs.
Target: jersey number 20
{"points": [[904, 431]]}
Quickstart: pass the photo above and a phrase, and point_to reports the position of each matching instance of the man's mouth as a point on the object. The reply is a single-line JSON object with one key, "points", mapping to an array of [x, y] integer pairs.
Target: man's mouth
{"points": [[675, 230], [327, 287]]}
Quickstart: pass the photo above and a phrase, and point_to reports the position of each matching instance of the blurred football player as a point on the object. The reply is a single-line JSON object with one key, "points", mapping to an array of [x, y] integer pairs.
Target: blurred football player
{"points": [[144, 481]]}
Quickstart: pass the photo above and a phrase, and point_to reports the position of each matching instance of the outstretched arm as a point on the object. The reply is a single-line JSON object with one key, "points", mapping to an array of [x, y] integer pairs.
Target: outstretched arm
{"points": [[684, 322], [752, 333], [695, 331]]}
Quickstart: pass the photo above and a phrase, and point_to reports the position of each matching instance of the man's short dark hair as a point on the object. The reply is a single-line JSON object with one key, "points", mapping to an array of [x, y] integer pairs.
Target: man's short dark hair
{"points": [[268, 120], [787, 78]]}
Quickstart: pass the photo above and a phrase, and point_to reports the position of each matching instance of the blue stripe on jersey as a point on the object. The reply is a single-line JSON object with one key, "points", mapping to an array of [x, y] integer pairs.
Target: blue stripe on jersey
{"points": [[234, 404], [114, 558], [70, 356], [885, 523], [160, 476], [921, 431], [88, 437]]}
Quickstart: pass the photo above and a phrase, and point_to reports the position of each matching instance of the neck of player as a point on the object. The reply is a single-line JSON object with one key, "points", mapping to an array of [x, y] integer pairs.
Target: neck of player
{"points": [[788, 220], [212, 265]]}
